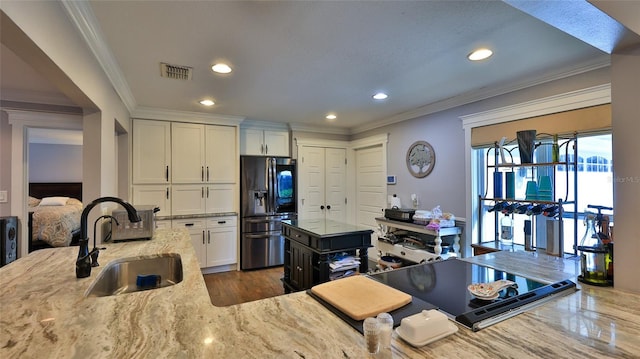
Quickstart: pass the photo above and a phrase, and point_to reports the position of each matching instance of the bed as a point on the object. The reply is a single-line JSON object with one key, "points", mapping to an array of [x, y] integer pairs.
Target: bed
{"points": [[54, 214]]}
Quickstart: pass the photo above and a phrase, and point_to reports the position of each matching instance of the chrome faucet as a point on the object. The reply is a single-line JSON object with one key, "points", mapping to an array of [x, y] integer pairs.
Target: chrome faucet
{"points": [[83, 263]]}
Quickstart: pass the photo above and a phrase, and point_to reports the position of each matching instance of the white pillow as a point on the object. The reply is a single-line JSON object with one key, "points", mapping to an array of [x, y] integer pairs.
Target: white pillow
{"points": [[53, 201]]}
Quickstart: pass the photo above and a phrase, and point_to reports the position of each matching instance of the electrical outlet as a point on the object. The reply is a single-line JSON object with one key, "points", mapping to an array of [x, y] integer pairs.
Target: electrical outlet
{"points": [[3, 197]]}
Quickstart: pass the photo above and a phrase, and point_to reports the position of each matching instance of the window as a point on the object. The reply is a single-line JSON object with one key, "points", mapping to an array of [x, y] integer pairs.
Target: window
{"points": [[594, 186]]}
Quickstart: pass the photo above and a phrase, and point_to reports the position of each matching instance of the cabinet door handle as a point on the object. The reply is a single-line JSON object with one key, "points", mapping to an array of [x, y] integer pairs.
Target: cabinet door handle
{"points": [[188, 224], [207, 192], [202, 192], [322, 207], [262, 148], [167, 192], [222, 222], [209, 237], [202, 173], [266, 149], [207, 174], [328, 207], [166, 173], [203, 237]]}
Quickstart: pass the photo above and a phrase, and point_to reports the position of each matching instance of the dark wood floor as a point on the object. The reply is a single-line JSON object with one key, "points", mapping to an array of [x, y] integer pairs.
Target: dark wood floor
{"points": [[237, 287]]}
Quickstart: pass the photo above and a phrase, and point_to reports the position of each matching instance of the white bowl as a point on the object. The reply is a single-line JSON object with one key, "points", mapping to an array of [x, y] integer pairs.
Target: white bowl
{"points": [[423, 326]]}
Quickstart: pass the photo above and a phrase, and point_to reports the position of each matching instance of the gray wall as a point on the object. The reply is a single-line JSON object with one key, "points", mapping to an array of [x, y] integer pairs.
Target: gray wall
{"points": [[445, 186], [5, 162], [55, 163]]}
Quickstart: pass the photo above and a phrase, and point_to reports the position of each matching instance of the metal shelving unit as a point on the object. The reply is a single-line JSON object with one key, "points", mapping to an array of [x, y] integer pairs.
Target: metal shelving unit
{"points": [[570, 147]]}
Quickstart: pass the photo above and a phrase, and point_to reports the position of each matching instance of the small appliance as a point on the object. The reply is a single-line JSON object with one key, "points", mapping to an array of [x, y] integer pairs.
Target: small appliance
{"points": [[125, 230], [9, 237]]}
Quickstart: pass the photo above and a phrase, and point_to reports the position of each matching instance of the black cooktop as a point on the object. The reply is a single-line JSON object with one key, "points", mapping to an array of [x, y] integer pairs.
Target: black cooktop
{"points": [[444, 284]]}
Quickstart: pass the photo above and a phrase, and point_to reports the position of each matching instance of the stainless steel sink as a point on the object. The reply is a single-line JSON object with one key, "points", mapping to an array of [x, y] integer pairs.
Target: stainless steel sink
{"points": [[129, 275]]}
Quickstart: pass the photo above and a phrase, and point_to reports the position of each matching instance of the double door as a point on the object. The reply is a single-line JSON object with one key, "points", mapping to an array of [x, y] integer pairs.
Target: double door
{"points": [[214, 239], [203, 153], [323, 178], [258, 142]]}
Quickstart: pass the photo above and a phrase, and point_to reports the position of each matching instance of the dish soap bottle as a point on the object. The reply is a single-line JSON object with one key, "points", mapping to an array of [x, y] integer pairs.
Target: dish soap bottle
{"points": [[555, 150]]}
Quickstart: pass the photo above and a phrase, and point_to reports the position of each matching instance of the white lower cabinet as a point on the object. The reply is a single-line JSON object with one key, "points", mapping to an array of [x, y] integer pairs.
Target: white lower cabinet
{"points": [[214, 239], [222, 241]]}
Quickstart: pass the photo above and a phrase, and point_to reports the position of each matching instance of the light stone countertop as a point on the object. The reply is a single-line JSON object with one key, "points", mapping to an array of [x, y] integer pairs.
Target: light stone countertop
{"points": [[44, 314]]}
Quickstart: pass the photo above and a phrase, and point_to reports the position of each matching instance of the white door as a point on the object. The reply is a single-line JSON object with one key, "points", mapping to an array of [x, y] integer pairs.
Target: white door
{"points": [[322, 179], [371, 188], [151, 151], [221, 155], [311, 181], [335, 184], [187, 153]]}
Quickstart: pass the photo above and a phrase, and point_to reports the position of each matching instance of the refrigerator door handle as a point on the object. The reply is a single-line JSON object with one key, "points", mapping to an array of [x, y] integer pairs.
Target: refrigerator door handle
{"points": [[257, 236], [270, 206]]}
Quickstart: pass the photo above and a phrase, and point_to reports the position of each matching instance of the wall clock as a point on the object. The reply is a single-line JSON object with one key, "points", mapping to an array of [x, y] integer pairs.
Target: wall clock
{"points": [[420, 159]]}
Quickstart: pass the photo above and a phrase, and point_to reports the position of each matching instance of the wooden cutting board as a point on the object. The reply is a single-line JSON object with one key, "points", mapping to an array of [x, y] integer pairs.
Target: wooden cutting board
{"points": [[360, 297]]}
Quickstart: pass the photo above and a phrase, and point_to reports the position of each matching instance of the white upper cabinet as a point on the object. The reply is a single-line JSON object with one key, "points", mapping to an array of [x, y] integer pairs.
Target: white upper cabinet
{"points": [[204, 153], [258, 142], [221, 154], [187, 152], [151, 152]]}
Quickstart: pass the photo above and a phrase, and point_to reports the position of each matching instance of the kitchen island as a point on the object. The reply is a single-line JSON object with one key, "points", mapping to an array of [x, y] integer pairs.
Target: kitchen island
{"points": [[311, 245], [44, 314]]}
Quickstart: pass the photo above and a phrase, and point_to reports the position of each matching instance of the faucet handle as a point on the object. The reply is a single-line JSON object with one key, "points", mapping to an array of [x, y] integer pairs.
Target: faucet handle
{"points": [[94, 256]]}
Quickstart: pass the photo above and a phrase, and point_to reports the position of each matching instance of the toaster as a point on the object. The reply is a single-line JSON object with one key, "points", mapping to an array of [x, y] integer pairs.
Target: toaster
{"points": [[125, 230]]}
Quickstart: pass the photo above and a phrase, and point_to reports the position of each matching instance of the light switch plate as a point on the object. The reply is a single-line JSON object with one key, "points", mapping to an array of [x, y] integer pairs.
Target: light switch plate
{"points": [[3, 197]]}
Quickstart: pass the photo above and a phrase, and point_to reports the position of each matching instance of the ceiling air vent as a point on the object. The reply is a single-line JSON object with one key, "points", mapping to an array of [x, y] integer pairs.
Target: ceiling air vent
{"points": [[175, 71]]}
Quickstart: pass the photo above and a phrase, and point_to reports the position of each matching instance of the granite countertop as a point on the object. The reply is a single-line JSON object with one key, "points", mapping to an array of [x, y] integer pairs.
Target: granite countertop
{"points": [[325, 227], [44, 314]]}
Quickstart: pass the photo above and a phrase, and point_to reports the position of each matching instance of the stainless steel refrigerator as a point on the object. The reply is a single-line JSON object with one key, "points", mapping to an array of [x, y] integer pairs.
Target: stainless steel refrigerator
{"points": [[267, 196]]}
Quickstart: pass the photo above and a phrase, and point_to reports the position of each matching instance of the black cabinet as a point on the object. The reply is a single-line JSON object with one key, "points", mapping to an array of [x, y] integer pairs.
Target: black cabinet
{"points": [[301, 267], [310, 246]]}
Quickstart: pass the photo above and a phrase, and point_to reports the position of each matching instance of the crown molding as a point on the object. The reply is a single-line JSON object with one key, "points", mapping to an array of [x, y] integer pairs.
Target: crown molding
{"points": [[485, 93], [319, 129], [150, 113], [591, 96], [265, 125], [81, 15], [41, 97]]}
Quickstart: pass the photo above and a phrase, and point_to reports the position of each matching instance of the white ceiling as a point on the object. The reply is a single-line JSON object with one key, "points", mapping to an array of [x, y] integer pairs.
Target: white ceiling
{"points": [[296, 61]]}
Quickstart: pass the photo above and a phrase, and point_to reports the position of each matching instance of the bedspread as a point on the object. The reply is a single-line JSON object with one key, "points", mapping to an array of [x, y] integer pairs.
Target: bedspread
{"points": [[55, 224]]}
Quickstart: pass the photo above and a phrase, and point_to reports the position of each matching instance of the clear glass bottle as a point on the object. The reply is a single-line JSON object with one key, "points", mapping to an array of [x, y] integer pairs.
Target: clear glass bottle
{"points": [[506, 230], [593, 254]]}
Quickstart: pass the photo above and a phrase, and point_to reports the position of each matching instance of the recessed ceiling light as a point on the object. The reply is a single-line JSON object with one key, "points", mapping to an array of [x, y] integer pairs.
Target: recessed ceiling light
{"points": [[380, 96], [480, 54], [221, 68], [207, 102], [331, 116]]}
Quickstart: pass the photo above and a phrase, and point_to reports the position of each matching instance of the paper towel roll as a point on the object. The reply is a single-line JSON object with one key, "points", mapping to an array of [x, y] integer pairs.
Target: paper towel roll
{"points": [[395, 202]]}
